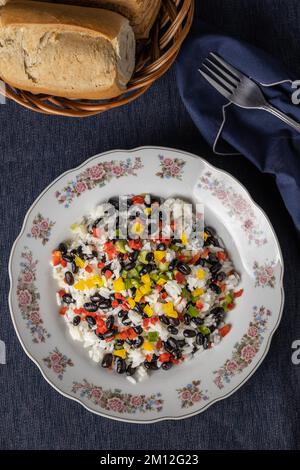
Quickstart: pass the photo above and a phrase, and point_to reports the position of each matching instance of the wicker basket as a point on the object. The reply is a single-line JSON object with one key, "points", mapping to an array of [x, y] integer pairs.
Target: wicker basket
{"points": [[154, 58]]}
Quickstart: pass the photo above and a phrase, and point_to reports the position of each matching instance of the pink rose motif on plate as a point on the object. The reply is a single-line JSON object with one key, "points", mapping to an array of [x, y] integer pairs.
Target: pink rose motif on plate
{"points": [[114, 400], [35, 231], [136, 401], [80, 187], [28, 277], [264, 274], [252, 331], [58, 363], [221, 194], [115, 404], [171, 167], [248, 352], [246, 349], [97, 176], [231, 366], [35, 317], [191, 394], [25, 298], [96, 172], [41, 228], [44, 225]]}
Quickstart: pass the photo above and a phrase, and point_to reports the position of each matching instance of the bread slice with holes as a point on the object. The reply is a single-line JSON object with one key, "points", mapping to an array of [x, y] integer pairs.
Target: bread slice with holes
{"points": [[67, 51]]}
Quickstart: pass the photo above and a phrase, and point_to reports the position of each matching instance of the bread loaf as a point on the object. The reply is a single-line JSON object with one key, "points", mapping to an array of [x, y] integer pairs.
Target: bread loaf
{"points": [[64, 50]]}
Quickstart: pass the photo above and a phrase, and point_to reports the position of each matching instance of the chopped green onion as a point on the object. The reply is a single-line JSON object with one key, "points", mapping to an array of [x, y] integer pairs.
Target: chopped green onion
{"points": [[153, 336]]}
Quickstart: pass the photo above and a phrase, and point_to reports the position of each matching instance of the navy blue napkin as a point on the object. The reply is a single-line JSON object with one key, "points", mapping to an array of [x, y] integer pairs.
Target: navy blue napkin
{"points": [[266, 141]]}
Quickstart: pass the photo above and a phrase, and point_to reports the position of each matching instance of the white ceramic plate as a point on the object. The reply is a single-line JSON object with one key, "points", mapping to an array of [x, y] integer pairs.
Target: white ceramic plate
{"points": [[191, 387]]}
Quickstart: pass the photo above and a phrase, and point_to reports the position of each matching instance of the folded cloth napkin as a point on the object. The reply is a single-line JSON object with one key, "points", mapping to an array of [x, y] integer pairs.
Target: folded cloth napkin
{"points": [[266, 141]]}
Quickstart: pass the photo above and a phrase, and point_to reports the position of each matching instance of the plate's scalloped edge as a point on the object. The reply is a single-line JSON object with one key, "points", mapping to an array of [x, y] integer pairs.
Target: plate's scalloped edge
{"points": [[159, 418]]}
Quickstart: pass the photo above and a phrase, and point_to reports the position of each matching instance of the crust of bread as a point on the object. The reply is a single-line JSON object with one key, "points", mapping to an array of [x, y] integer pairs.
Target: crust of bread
{"points": [[90, 29]]}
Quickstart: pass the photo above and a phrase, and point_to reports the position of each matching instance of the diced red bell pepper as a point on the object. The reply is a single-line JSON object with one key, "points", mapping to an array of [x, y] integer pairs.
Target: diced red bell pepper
{"points": [[97, 232], [164, 295], [179, 277], [221, 255], [132, 334], [119, 296], [154, 320], [238, 293], [89, 269], [62, 310], [61, 292], [149, 357], [137, 200], [199, 305], [115, 303], [101, 265], [108, 274], [56, 257], [146, 322], [135, 244], [64, 263], [225, 330], [165, 357], [195, 258], [123, 334]]}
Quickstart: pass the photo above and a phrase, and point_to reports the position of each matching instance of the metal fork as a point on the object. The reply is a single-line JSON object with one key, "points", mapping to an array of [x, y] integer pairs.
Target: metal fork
{"points": [[238, 88]]}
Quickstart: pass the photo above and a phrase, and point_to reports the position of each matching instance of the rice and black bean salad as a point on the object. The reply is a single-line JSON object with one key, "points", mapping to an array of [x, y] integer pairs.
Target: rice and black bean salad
{"points": [[141, 305]]}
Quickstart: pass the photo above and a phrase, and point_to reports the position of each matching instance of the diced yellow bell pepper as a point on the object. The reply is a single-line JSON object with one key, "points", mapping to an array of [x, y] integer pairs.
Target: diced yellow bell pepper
{"points": [[79, 262], [119, 285], [148, 310], [200, 274], [90, 283], [138, 295], [120, 353], [148, 346], [146, 279], [80, 285], [159, 255], [161, 281], [147, 210], [205, 236], [184, 238], [131, 302], [198, 292], [145, 289], [169, 310], [137, 228], [98, 280]]}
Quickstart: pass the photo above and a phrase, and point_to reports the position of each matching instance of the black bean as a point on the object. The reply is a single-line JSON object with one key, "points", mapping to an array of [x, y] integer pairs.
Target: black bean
{"points": [[215, 268], [151, 267], [130, 370], [165, 320], [96, 298], [173, 342], [212, 258], [195, 349], [109, 334], [68, 258], [183, 268], [186, 319], [76, 320], [90, 320], [172, 330], [107, 361], [138, 342], [173, 264], [146, 269], [166, 365], [161, 247], [138, 308], [197, 321], [129, 266], [99, 335], [121, 313], [205, 342], [211, 241], [74, 268], [119, 343], [133, 256], [153, 365], [215, 288], [68, 299], [216, 311], [126, 320], [221, 276], [104, 304], [69, 278], [62, 248], [177, 354], [174, 321], [209, 230], [181, 343], [168, 347], [212, 328], [110, 322], [147, 365], [200, 262], [149, 257], [114, 201], [90, 307], [189, 333], [199, 339], [138, 329]]}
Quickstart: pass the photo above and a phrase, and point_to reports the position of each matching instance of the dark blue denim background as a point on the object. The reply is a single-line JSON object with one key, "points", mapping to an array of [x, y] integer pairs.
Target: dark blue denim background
{"points": [[35, 149]]}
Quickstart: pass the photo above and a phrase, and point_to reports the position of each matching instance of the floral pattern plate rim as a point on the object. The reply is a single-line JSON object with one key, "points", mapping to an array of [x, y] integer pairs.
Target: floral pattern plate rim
{"points": [[194, 386]]}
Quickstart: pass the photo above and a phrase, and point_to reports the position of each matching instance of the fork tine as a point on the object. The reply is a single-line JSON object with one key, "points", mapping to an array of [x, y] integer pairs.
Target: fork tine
{"points": [[216, 85], [229, 86], [230, 78], [227, 66]]}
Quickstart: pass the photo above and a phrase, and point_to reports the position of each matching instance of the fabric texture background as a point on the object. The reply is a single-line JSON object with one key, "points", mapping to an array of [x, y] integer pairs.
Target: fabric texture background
{"points": [[35, 149]]}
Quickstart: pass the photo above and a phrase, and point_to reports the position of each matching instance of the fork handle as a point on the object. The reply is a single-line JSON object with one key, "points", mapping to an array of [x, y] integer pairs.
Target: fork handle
{"points": [[288, 120]]}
